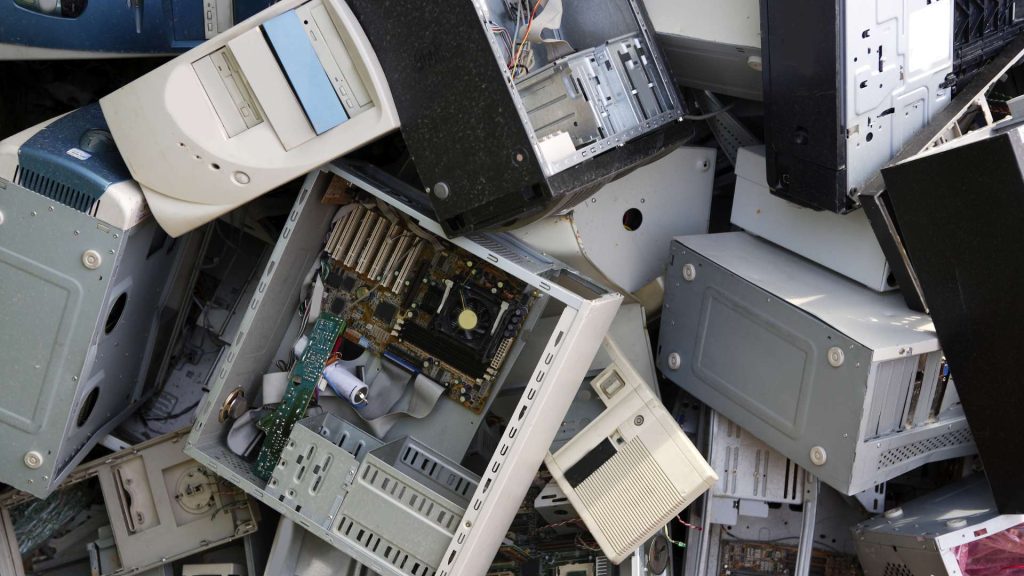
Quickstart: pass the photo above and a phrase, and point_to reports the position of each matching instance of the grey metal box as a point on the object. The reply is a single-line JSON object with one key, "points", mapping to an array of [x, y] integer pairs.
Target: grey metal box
{"points": [[80, 302], [584, 312], [922, 537], [323, 454], [406, 499], [849, 384], [85, 273]]}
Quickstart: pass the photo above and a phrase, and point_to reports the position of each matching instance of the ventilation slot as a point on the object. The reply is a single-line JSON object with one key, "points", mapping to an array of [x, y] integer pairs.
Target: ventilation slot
{"points": [[892, 569], [629, 495], [56, 191], [425, 507], [429, 467], [380, 548], [901, 454]]}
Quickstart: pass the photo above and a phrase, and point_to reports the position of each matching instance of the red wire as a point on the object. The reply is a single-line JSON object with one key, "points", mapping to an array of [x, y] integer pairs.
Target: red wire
{"points": [[515, 61]]}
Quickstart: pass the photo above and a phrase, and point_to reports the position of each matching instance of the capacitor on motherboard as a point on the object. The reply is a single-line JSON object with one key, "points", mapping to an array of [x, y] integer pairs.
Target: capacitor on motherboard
{"points": [[345, 384]]}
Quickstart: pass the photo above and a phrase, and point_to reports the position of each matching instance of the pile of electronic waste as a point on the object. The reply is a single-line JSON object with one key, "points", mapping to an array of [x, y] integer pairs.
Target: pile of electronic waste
{"points": [[510, 288]]}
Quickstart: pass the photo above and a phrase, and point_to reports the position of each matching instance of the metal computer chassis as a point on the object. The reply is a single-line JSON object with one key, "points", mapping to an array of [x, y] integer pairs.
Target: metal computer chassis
{"points": [[587, 314], [86, 311], [847, 383]]}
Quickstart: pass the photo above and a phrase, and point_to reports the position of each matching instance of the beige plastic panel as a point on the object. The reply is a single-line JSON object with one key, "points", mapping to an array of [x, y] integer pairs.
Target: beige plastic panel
{"points": [[178, 149]]}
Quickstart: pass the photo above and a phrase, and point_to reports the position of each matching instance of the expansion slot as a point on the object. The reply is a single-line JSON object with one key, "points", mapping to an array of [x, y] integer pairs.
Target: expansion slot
{"points": [[372, 246], [360, 240], [304, 378], [349, 224], [396, 259], [403, 275], [335, 237], [390, 240]]}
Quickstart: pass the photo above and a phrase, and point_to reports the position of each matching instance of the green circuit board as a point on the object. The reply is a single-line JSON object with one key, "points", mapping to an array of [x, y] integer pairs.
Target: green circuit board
{"points": [[303, 380]]}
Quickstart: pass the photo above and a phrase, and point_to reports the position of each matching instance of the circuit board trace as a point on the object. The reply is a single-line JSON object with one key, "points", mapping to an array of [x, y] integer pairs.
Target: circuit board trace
{"points": [[423, 303], [303, 380]]}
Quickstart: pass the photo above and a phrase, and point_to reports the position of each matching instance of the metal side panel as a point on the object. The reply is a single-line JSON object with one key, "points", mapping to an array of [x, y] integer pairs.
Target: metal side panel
{"points": [[812, 386], [49, 302]]}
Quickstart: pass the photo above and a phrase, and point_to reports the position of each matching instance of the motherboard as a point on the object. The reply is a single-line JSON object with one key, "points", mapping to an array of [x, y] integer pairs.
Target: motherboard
{"points": [[422, 302], [745, 558], [536, 547]]}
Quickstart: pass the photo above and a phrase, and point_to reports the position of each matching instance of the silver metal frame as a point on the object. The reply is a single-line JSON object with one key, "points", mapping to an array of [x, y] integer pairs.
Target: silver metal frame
{"points": [[588, 313], [647, 35], [86, 363]]}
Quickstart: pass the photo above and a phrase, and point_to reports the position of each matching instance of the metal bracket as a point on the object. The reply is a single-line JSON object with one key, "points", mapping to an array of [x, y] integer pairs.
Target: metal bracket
{"points": [[806, 546]]}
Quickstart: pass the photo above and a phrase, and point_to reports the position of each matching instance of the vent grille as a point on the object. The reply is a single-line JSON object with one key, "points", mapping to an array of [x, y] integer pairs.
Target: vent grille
{"points": [[363, 537], [443, 474], [628, 496], [901, 454], [980, 29], [415, 500], [892, 569], [56, 191]]}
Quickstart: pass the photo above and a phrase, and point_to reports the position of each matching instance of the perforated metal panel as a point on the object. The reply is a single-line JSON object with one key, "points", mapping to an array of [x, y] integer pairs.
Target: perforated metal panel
{"points": [[900, 454], [404, 492], [892, 569], [322, 455]]}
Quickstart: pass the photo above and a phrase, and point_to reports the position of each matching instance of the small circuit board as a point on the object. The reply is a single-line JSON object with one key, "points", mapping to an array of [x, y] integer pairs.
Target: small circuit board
{"points": [[423, 303], [740, 557], [303, 381]]}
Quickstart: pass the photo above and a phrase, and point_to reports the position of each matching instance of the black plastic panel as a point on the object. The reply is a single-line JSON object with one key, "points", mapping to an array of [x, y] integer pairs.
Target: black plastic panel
{"points": [[803, 99], [460, 122], [961, 212], [980, 29], [803, 51]]}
